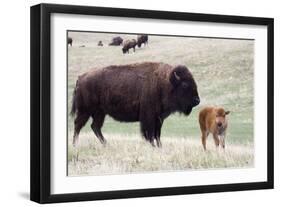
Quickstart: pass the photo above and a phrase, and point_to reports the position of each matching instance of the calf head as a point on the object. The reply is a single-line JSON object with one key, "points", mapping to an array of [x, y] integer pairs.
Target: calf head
{"points": [[221, 120]]}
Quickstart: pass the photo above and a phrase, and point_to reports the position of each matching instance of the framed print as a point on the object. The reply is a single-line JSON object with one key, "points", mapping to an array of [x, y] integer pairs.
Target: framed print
{"points": [[132, 103]]}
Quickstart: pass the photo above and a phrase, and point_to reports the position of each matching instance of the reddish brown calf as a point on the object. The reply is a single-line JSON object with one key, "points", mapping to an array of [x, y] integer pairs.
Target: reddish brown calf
{"points": [[213, 120]]}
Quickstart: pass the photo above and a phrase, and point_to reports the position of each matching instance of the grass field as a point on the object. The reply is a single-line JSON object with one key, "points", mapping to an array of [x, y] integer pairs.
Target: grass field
{"points": [[223, 70]]}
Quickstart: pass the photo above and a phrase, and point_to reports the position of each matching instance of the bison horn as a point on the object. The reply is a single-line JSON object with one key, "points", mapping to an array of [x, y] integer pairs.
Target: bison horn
{"points": [[176, 76]]}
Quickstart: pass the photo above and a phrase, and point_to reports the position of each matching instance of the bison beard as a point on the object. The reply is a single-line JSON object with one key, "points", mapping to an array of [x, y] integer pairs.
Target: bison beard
{"points": [[144, 92]]}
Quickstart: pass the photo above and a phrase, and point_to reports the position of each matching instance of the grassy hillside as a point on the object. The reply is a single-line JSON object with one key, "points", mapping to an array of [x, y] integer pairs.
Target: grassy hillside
{"points": [[222, 68]]}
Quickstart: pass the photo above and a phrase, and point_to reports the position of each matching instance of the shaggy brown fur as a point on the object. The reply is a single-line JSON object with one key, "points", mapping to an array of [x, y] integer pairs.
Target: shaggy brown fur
{"points": [[128, 44], [213, 120], [144, 92], [142, 39], [116, 41]]}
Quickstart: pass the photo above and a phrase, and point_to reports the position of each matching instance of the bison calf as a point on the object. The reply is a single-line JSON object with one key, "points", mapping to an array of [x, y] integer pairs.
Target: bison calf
{"points": [[128, 44], [213, 120]]}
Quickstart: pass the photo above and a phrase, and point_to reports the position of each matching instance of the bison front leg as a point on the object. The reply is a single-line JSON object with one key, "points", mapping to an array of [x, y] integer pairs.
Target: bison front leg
{"points": [[148, 130], [158, 127], [216, 139], [222, 140], [149, 113]]}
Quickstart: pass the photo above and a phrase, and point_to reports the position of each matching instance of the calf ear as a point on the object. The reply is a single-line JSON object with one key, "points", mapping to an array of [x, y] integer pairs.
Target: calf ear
{"points": [[227, 112]]}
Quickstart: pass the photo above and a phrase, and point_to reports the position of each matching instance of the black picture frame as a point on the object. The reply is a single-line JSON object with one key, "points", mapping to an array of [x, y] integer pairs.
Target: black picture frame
{"points": [[40, 102]]}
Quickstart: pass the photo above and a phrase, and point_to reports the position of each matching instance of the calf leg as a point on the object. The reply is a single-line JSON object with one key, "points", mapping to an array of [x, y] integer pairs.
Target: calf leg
{"points": [[204, 139], [79, 122], [222, 141], [216, 139], [98, 119]]}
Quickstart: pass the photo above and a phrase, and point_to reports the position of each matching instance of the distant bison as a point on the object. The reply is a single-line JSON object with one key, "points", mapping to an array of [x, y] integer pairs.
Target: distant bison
{"points": [[213, 120], [100, 43], [128, 44], [144, 92], [142, 39], [69, 41], [116, 41]]}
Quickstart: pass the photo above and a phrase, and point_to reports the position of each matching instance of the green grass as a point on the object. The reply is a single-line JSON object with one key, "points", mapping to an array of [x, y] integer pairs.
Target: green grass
{"points": [[222, 68]]}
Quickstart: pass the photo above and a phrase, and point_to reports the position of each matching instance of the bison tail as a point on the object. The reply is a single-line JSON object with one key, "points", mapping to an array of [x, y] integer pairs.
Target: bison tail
{"points": [[74, 106]]}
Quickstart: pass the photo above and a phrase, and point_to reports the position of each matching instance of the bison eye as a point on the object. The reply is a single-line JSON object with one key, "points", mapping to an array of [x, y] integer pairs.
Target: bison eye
{"points": [[185, 85]]}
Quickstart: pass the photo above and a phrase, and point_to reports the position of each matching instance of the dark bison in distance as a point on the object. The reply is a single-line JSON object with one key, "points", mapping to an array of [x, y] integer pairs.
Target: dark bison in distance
{"points": [[142, 39], [145, 92], [100, 43], [69, 41], [116, 41], [128, 44]]}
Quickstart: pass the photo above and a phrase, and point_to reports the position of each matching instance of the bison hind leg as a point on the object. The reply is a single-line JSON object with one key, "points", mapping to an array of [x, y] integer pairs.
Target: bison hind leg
{"points": [[98, 120], [80, 120]]}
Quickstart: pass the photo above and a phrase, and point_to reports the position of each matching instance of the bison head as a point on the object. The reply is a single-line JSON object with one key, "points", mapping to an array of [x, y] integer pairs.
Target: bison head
{"points": [[184, 90]]}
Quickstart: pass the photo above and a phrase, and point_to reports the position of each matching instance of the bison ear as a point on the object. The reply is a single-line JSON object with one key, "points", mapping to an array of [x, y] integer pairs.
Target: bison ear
{"points": [[227, 112], [175, 78]]}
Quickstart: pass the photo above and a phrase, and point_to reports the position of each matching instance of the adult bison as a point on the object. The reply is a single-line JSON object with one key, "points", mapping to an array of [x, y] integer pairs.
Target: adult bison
{"points": [[144, 92], [142, 39], [116, 41], [128, 44], [69, 41]]}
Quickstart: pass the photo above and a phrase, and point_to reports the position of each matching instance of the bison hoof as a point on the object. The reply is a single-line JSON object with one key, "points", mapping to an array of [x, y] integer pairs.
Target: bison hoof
{"points": [[74, 144], [103, 141], [159, 145], [152, 144]]}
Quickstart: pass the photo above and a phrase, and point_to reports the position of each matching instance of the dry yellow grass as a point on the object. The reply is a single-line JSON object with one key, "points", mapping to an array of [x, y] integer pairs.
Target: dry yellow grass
{"points": [[131, 154]]}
